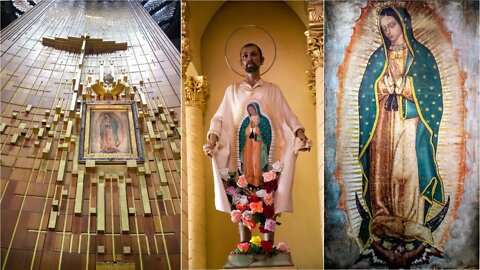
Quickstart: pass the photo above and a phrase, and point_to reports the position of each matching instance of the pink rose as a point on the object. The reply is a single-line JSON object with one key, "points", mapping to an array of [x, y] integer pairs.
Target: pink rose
{"points": [[282, 247], [236, 216], [242, 181], [270, 225], [256, 207], [269, 176], [249, 223], [268, 199], [243, 247]]}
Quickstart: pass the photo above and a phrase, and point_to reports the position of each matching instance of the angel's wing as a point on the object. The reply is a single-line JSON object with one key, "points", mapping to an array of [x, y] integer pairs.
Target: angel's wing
{"points": [[98, 89]]}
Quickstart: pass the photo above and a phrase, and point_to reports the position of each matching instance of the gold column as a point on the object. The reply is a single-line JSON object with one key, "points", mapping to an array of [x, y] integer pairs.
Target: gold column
{"points": [[196, 90], [186, 59], [314, 36], [315, 82]]}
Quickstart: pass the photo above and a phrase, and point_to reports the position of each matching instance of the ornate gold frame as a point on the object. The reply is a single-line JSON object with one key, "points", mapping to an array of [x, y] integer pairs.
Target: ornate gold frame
{"points": [[134, 140]]}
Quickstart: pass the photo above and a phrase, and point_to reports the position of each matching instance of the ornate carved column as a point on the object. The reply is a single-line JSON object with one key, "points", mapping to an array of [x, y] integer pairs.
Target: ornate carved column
{"points": [[314, 36], [186, 54], [196, 91], [315, 82], [190, 245]]}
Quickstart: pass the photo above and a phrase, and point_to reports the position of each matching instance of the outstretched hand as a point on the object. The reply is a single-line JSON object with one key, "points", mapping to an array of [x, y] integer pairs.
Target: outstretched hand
{"points": [[210, 145], [307, 144], [301, 135], [208, 149]]}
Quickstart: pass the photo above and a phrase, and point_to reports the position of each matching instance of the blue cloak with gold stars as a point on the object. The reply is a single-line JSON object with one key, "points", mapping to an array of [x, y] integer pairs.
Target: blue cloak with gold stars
{"points": [[426, 86]]}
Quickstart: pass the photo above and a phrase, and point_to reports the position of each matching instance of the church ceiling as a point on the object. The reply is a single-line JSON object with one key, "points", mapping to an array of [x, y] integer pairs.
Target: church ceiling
{"points": [[166, 13]]}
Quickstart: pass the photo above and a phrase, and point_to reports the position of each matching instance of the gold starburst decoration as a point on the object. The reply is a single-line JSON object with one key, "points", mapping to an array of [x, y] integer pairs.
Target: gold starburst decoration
{"points": [[380, 5]]}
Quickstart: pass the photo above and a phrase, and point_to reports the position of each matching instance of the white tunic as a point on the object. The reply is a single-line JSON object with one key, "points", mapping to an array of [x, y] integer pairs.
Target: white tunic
{"points": [[284, 148]]}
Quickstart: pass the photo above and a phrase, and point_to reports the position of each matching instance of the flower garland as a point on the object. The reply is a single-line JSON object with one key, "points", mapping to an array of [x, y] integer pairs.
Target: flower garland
{"points": [[253, 205]]}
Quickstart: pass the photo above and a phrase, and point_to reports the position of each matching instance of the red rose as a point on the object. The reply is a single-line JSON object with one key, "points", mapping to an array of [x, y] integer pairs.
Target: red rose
{"points": [[262, 230], [267, 246], [270, 186], [268, 211], [242, 207], [254, 199]]}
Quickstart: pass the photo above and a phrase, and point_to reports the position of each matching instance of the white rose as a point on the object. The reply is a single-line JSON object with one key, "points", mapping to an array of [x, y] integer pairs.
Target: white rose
{"points": [[261, 193], [277, 166], [240, 199]]}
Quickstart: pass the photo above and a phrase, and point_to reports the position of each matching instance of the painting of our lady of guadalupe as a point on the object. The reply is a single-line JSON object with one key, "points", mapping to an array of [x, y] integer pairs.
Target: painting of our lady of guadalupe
{"points": [[255, 138], [110, 133], [399, 172]]}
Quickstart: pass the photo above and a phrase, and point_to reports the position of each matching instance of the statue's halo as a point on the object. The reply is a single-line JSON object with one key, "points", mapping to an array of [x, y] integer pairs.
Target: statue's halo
{"points": [[249, 34]]}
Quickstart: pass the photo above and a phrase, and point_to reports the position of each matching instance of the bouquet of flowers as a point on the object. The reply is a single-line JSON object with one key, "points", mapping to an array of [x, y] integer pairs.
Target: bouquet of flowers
{"points": [[253, 205], [259, 246]]}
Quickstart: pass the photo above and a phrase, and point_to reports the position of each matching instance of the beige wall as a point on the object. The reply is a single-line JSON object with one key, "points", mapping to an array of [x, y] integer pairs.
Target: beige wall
{"points": [[300, 230]]}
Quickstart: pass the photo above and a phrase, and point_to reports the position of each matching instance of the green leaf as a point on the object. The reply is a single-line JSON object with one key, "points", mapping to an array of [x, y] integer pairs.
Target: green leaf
{"points": [[259, 218]]}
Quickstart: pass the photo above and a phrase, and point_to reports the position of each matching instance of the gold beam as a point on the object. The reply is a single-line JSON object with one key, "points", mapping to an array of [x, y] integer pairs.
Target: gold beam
{"points": [[101, 205], [46, 150], [161, 171], [73, 104], [122, 191], [144, 195], [61, 167], [151, 132], [165, 193], [68, 132], [175, 150], [52, 222], [79, 193], [14, 139]]}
